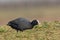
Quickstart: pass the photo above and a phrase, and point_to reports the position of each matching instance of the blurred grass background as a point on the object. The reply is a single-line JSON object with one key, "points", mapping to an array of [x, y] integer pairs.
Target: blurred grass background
{"points": [[48, 13]]}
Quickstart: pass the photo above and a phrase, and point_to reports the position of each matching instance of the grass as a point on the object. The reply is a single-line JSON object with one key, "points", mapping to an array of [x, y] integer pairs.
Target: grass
{"points": [[44, 31]]}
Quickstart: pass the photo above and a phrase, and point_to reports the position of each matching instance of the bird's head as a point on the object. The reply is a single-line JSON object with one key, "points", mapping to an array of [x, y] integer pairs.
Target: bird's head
{"points": [[35, 22], [9, 24]]}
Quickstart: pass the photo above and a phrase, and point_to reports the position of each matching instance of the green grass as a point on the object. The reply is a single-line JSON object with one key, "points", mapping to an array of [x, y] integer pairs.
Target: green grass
{"points": [[44, 31]]}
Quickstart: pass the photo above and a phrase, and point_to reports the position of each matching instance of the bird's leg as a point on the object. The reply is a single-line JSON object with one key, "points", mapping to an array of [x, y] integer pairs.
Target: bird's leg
{"points": [[17, 31], [21, 30]]}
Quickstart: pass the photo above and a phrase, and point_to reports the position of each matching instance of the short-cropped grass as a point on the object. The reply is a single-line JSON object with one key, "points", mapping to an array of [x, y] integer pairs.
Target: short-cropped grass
{"points": [[44, 31]]}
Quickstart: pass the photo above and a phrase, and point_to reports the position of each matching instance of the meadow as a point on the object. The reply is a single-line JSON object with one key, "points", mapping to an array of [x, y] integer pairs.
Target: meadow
{"points": [[44, 13], [44, 31], [49, 29]]}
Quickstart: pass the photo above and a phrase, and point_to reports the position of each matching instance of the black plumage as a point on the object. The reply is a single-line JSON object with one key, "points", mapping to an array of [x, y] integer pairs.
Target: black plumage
{"points": [[22, 24]]}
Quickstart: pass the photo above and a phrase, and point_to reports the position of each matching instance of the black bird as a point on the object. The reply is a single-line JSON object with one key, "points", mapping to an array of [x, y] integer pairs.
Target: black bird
{"points": [[22, 24]]}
